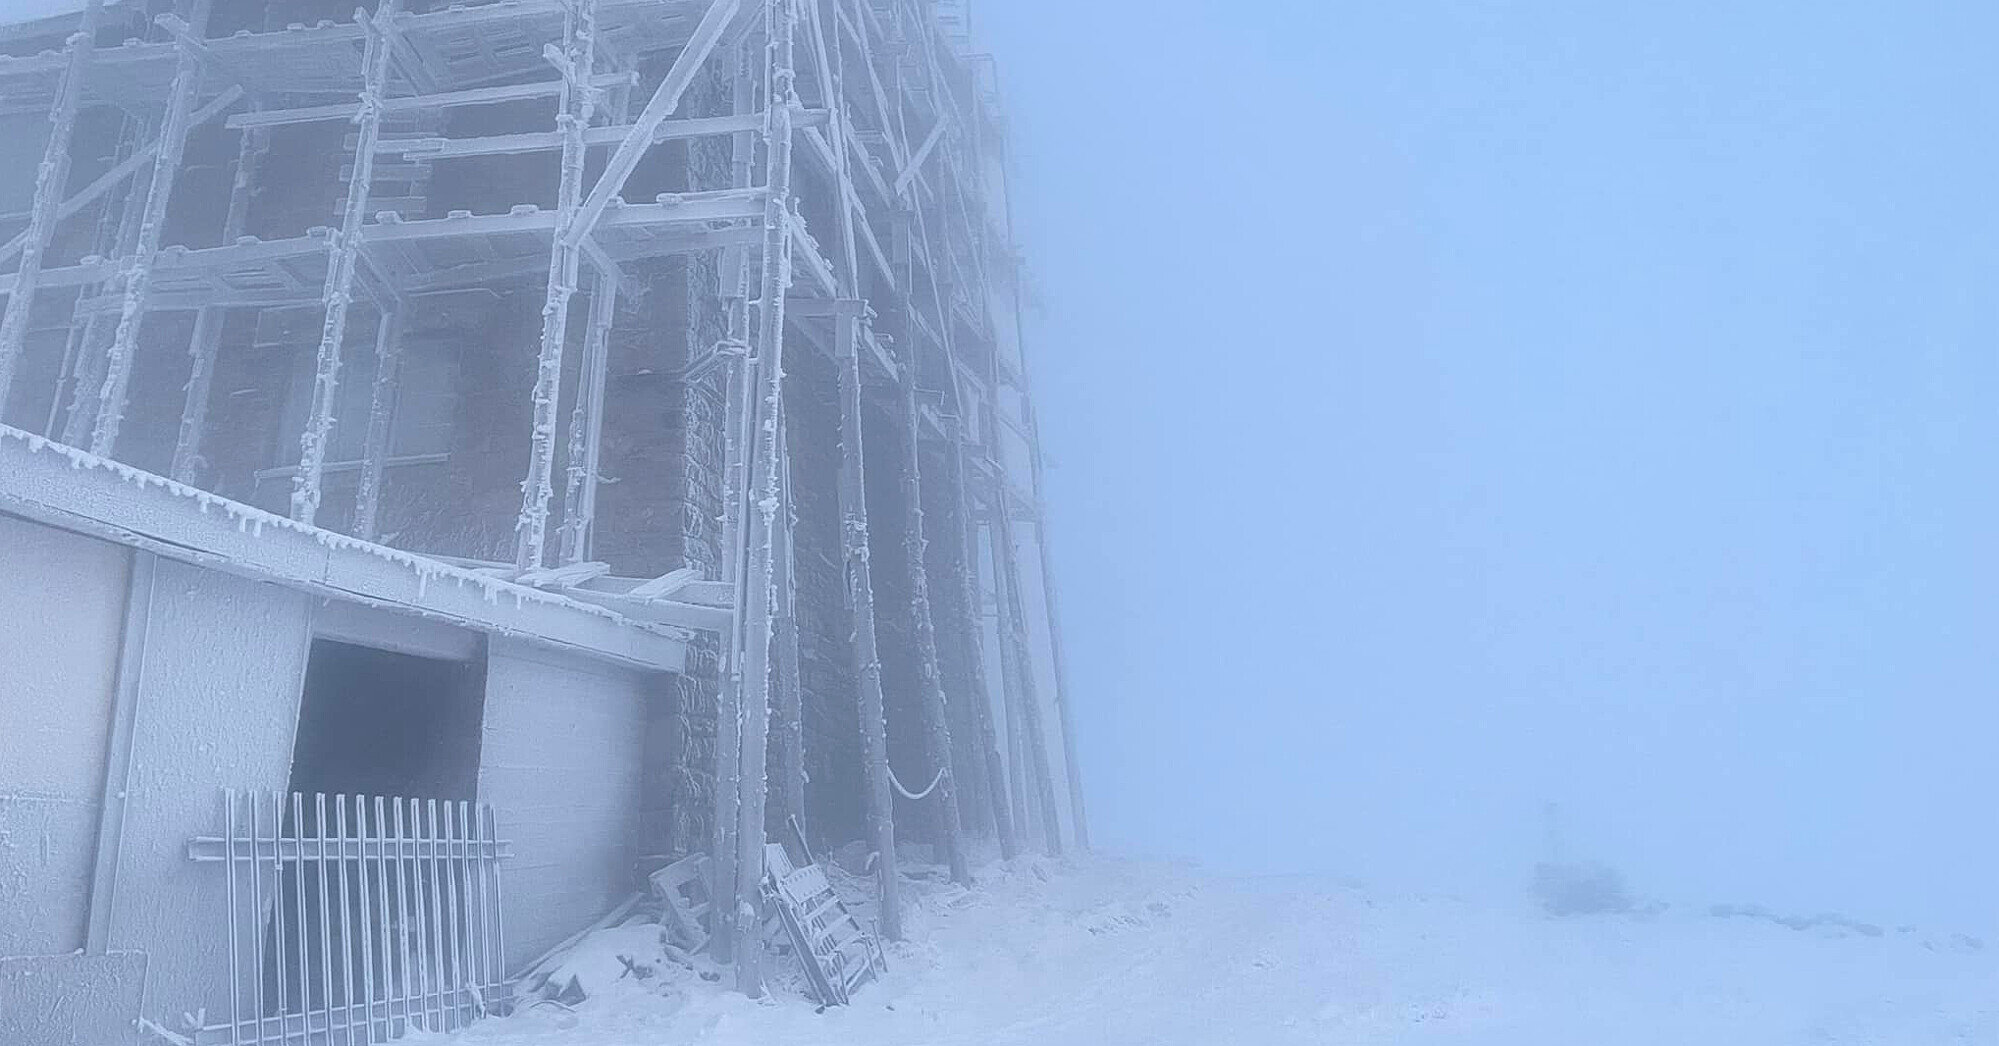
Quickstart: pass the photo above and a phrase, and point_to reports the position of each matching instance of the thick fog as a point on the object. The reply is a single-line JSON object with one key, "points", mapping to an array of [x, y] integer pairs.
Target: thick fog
{"points": [[1456, 409]]}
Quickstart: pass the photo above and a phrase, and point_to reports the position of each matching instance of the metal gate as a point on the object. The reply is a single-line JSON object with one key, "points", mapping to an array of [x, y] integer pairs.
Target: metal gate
{"points": [[353, 919]]}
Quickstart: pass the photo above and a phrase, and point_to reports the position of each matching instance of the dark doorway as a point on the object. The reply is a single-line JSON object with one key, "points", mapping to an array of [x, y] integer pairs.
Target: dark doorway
{"points": [[375, 722], [387, 750]]}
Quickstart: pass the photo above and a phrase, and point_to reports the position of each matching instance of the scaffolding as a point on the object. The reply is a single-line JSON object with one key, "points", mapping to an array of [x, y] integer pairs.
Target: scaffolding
{"points": [[870, 119]]}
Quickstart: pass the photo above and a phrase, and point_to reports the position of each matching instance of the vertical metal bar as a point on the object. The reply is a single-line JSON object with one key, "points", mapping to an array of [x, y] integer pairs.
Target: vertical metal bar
{"points": [[278, 906], [386, 933], [476, 901], [454, 939], [367, 923], [468, 975], [304, 958], [257, 917], [478, 892], [499, 909], [402, 914], [420, 952], [229, 898], [437, 957], [50, 180], [346, 923], [325, 916]]}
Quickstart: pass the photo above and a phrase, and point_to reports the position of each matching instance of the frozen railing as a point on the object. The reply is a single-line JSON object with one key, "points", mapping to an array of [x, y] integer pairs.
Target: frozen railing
{"points": [[354, 919]]}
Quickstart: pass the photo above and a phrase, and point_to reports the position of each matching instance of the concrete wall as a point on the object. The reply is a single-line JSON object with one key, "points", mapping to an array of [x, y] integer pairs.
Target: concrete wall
{"points": [[563, 765], [224, 660], [63, 609]]}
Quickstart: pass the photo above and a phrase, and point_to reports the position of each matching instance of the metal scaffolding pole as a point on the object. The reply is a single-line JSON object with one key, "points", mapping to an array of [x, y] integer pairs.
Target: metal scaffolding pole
{"points": [[739, 415], [790, 707], [861, 600], [937, 732], [204, 343], [577, 62], [1013, 636], [381, 421], [586, 424], [343, 255], [87, 376], [765, 503], [973, 623], [139, 265], [937, 725], [50, 179]]}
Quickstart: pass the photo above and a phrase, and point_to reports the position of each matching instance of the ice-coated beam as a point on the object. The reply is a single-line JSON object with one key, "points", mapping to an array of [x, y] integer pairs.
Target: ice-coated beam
{"points": [[576, 58], [138, 267], [207, 337], [343, 256], [937, 724], [764, 502], [664, 101], [861, 601], [110, 179], [381, 419], [49, 180], [586, 425]]}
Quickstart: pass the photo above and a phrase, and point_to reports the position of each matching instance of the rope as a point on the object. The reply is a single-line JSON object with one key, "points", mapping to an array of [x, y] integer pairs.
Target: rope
{"points": [[913, 797]]}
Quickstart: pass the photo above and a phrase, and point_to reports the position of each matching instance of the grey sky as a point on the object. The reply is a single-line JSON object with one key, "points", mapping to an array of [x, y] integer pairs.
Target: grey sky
{"points": [[1458, 407]]}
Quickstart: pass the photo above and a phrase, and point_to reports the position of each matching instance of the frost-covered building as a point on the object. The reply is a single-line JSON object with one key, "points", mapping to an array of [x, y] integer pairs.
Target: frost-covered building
{"points": [[456, 459]]}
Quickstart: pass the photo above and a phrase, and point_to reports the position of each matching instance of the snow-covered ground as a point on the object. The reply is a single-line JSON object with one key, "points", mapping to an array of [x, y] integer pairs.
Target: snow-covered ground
{"points": [[1098, 952]]}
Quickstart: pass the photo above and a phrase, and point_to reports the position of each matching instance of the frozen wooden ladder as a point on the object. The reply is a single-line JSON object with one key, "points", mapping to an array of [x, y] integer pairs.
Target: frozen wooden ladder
{"points": [[838, 955]]}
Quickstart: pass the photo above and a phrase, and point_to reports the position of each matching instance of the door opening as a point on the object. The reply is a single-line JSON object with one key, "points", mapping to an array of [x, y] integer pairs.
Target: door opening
{"points": [[394, 739]]}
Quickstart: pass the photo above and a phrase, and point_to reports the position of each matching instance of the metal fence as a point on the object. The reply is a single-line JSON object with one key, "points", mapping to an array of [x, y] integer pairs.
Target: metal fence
{"points": [[354, 919]]}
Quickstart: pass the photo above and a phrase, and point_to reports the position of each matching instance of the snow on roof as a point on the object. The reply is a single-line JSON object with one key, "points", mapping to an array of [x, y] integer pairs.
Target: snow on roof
{"points": [[254, 521]]}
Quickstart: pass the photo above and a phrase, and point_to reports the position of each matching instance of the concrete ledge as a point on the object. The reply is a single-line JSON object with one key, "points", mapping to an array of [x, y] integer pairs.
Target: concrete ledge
{"points": [[63, 487]]}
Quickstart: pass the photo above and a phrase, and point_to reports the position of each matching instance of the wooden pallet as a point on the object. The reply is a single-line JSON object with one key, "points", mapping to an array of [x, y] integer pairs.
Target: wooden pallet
{"points": [[838, 955]]}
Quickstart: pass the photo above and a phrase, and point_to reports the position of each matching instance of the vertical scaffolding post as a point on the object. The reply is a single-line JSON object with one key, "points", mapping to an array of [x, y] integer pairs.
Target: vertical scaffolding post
{"points": [[780, 19], [50, 180], [576, 60], [381, 421], [971, 600], [202, 346], [139, 265], [740, 422], [937, 725], [1031, 422], [1074, 772], [343, 255], [1013, 637], [790, 708], [586, 424], [87, 375], [743, 384], [861, 600]]}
